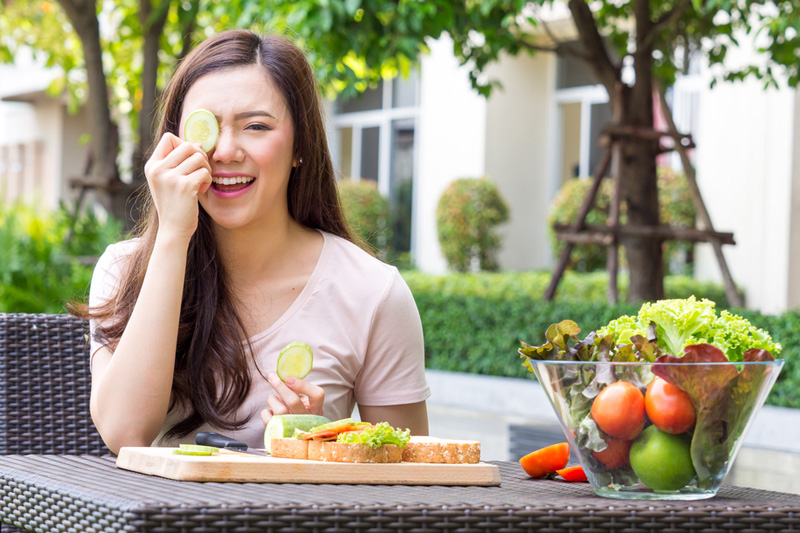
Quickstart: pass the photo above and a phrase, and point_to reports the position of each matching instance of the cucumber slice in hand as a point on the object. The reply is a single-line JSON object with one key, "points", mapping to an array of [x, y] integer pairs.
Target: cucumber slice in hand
{"points": [[295, 361], [201, 127]]}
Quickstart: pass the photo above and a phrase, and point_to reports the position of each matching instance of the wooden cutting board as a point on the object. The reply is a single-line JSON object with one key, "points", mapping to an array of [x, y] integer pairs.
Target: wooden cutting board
{"points": [[244, 467]]}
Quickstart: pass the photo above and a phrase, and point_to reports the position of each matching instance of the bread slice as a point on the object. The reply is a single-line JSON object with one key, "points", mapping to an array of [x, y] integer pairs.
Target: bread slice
{"points": [[289, 448], [435, 450], [353, 453]]}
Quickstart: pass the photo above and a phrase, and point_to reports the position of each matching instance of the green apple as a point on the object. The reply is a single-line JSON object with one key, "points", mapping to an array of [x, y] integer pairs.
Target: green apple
{"points": [[662, 461]]}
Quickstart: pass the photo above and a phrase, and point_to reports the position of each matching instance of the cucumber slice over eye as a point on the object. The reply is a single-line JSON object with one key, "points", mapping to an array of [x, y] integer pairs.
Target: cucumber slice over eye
{"points": [[295, 361], [201, 127]]}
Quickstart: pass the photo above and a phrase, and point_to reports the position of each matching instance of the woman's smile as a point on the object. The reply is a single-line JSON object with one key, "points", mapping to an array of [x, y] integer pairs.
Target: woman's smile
{"points": [[230, 185]]}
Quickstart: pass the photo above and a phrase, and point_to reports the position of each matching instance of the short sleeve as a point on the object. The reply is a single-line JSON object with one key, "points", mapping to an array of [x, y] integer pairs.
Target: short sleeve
{"points": [[105, 280], [394, 365]]}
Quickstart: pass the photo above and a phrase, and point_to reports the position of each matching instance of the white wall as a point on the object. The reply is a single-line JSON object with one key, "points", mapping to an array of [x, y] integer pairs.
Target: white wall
{"points": [[793, 293], [744, 161], [452, 129], [519, 148]]}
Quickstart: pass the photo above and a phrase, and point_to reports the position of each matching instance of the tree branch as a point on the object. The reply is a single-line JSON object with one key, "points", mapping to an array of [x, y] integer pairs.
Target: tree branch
{"points": [[596, 54], [560, 48], [666, 19]]}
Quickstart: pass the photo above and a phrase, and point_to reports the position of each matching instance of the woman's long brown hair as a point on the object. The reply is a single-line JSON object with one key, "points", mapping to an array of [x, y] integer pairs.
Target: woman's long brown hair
{"points": [[212, 377]]}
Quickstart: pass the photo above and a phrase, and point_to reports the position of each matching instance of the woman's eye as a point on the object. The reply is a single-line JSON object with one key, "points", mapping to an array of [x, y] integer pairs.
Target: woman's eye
{"points": [[258, 127]]}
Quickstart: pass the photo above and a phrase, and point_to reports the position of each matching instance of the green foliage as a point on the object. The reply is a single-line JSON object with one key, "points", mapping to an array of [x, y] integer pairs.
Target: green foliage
{"points": [[474, 323], [677, 209], [367, 212], [40, 269], [466, 219]]}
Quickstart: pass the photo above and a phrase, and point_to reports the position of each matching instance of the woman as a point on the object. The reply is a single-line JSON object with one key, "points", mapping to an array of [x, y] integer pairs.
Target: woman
{"points": [[244, 250]]}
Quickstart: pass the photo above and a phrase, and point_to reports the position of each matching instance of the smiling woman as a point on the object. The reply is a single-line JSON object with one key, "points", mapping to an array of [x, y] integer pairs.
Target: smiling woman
{"points": [[244, 249]]}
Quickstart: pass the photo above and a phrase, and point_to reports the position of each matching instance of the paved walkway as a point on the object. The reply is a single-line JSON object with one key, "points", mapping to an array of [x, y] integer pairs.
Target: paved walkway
{"points": [[484, 408]]}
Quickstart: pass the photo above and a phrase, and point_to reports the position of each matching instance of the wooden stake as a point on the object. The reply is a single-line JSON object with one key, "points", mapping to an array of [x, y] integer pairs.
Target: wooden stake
{"points": [[612, 257], [704, 219], [580, 224]]}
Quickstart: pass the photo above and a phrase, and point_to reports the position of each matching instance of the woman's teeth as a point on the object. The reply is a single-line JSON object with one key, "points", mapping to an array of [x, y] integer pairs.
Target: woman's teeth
{"points": [[231, 181]]}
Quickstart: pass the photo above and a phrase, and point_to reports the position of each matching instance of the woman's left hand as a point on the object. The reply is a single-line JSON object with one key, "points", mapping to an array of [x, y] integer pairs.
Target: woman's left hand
{"points": [[295, 396]]}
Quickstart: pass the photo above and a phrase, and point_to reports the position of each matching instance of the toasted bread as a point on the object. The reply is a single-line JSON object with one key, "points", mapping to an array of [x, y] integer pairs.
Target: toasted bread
{"points": [[340, 452], [434, 450], [289, 448]]}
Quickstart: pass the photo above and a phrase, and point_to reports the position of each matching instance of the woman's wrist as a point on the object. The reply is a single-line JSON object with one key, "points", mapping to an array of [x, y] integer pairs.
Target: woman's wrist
{"points": [[170, 240]]}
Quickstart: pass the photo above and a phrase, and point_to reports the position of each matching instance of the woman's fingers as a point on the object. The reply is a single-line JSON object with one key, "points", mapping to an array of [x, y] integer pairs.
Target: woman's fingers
{"points": [[266, 414], [165, 146], [184, 156], [277, 406], [296, 395], [177, 173]]}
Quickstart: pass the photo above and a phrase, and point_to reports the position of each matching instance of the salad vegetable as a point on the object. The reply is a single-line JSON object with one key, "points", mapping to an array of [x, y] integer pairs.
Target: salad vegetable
{"points": [[376, 436], [681, 323], [573, 473], [546, 461], [662, 333]]}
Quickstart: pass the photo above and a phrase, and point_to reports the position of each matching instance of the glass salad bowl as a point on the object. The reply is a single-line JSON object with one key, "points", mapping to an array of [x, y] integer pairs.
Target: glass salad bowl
{"points": [[663, 430]]}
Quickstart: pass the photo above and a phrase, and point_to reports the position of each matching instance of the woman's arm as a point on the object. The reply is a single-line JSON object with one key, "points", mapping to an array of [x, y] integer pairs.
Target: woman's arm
{"points": [[413, 416], [131, 387]]}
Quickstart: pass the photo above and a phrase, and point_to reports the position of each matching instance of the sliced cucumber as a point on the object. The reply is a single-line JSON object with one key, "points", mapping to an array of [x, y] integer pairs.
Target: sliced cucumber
{"points": [[201, 127], [283, 426], [295, 361], [195, 449]]}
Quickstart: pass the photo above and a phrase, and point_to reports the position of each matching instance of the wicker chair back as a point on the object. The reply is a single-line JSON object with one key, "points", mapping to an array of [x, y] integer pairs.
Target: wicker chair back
{"points": [[44, 386]]}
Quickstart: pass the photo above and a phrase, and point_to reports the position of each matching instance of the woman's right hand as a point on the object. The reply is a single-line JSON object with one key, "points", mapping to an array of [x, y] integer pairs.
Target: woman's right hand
{"points": [[177, 173], [295, 396]]}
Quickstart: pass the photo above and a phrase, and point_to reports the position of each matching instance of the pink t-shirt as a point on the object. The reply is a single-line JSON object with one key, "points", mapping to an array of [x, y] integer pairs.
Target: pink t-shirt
{"points": [[357, 314]]}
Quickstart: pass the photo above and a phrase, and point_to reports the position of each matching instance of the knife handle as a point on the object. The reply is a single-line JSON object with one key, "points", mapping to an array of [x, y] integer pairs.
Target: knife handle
{"points": [[208, 438]]}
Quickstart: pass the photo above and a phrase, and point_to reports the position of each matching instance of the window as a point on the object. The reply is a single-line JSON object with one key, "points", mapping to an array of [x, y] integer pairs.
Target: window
{"points": [[374, 140]]}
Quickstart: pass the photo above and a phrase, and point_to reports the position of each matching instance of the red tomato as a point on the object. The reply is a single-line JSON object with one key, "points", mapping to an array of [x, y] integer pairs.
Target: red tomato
{"points": [[619, 410], [669, 407], [615, 454]]}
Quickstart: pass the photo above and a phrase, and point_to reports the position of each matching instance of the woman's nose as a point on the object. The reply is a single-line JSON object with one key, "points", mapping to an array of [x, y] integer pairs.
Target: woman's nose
{"points": [[227, 148]]}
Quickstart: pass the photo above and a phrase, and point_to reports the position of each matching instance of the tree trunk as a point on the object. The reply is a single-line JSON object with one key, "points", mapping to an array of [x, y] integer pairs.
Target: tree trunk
{"points": [[82, 15], [638, 169], [152, 18], [637, 165]]}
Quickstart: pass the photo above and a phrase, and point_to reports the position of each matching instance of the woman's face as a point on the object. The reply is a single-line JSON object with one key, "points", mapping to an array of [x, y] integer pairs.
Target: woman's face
{"points": [[254, 155]]}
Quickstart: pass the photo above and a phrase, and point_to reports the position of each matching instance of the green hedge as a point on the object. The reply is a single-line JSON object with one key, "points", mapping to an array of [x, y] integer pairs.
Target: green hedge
{"points": [[474, 322]]}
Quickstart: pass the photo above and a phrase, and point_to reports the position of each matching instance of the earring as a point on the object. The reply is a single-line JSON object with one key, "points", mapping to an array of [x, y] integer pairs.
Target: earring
{"points": [[300, 162]]}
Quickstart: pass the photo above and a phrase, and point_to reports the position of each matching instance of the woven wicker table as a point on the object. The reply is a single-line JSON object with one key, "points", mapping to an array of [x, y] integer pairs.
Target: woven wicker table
{"points": [[89, 494]]}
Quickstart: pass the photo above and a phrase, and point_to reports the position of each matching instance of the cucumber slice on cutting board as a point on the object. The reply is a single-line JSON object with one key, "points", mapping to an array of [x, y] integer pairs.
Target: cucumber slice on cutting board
{"points": [[195, 449], [283, 426], [295, 361], [201, 127]]}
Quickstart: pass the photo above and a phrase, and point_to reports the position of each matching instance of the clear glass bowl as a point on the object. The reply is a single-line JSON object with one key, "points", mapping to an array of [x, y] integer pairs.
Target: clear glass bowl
{"points": [[651, 455]]}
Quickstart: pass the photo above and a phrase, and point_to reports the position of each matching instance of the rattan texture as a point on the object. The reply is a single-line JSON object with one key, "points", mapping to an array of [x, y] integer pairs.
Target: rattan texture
{"points": [[45, 384], [44, 387], [89, 494]]}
